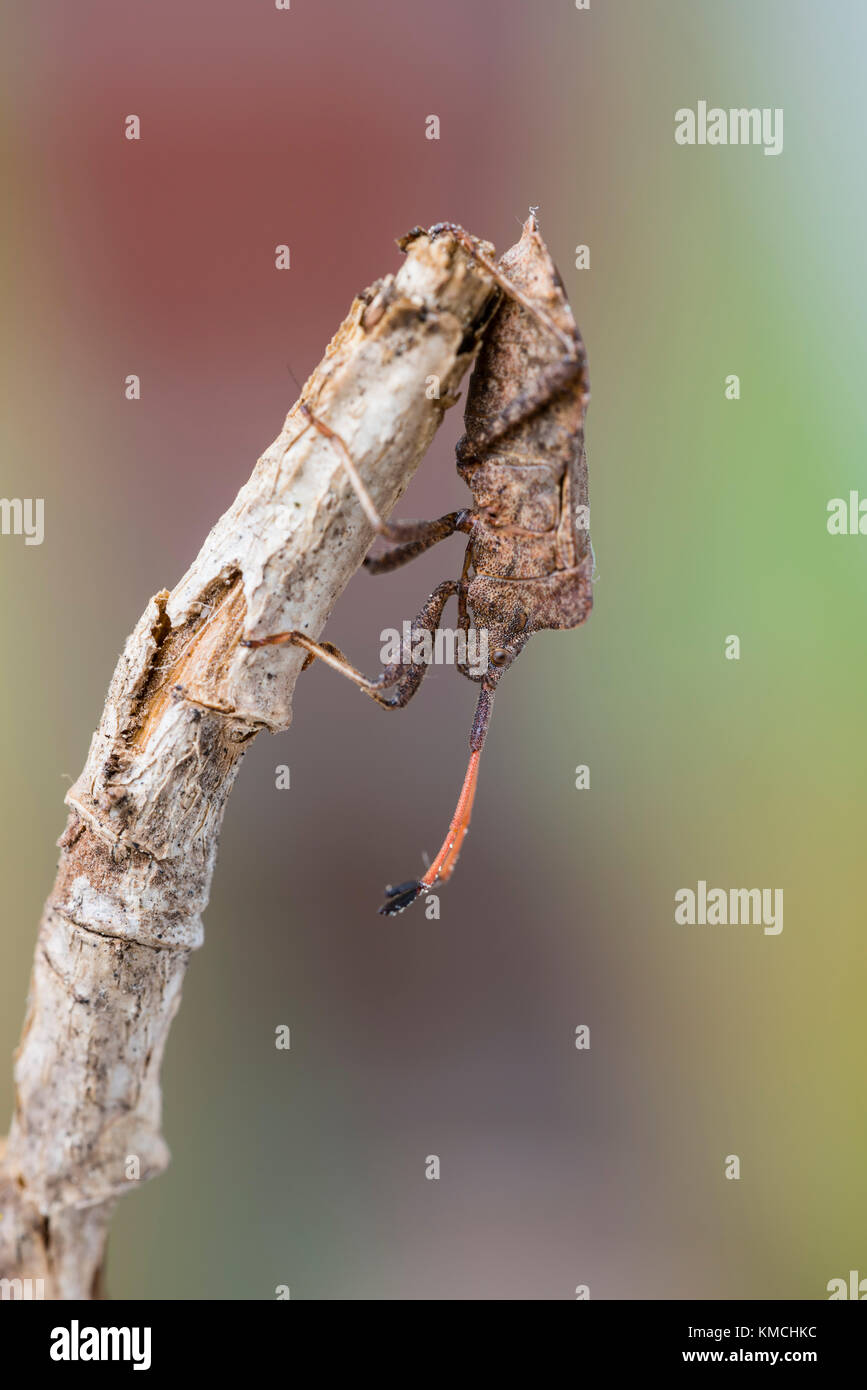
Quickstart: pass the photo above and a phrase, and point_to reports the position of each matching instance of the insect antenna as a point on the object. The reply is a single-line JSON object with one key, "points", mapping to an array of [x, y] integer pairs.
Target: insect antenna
{"points": [[509, 288], [440, 871]]}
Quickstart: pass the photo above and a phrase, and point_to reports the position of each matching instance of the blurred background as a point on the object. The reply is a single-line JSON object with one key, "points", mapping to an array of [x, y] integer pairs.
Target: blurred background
{"points": [[413, 1037]]}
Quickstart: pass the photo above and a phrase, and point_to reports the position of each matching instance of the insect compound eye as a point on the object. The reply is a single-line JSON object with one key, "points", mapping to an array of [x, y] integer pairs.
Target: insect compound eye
{"points": [[499, 657]]}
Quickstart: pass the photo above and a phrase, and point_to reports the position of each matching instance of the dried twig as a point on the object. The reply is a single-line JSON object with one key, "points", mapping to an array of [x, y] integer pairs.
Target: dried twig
{"points": [[184, 703]]}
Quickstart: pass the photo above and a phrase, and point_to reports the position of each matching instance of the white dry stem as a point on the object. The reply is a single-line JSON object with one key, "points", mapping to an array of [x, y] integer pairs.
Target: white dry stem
{"points": [[140, 845]]}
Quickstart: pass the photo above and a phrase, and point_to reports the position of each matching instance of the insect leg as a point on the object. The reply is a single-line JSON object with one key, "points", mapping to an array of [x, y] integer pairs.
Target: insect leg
{"points": [[401, 531], [552, 379], [403, 677], [463, 612], [442, 868], [471, 245], [428, 533]]}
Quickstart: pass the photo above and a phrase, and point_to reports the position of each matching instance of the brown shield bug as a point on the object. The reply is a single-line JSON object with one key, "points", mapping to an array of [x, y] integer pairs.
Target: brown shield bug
{"points": [[528, 563]]}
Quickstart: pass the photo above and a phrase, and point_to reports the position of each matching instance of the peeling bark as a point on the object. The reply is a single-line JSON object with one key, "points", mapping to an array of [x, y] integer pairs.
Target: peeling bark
{"points": [[185, 701]]}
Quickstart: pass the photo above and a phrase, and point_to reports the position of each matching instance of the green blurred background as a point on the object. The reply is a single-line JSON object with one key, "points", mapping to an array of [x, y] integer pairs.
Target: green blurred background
{"points": [[456, 1037]]}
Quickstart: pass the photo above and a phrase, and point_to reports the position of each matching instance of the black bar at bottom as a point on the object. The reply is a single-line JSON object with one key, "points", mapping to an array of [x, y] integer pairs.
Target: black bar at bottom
{"points": [[66, 1339]]}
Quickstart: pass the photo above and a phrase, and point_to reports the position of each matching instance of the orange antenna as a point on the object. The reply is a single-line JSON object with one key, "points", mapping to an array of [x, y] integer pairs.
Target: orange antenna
{"points": [[442, 868]]}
